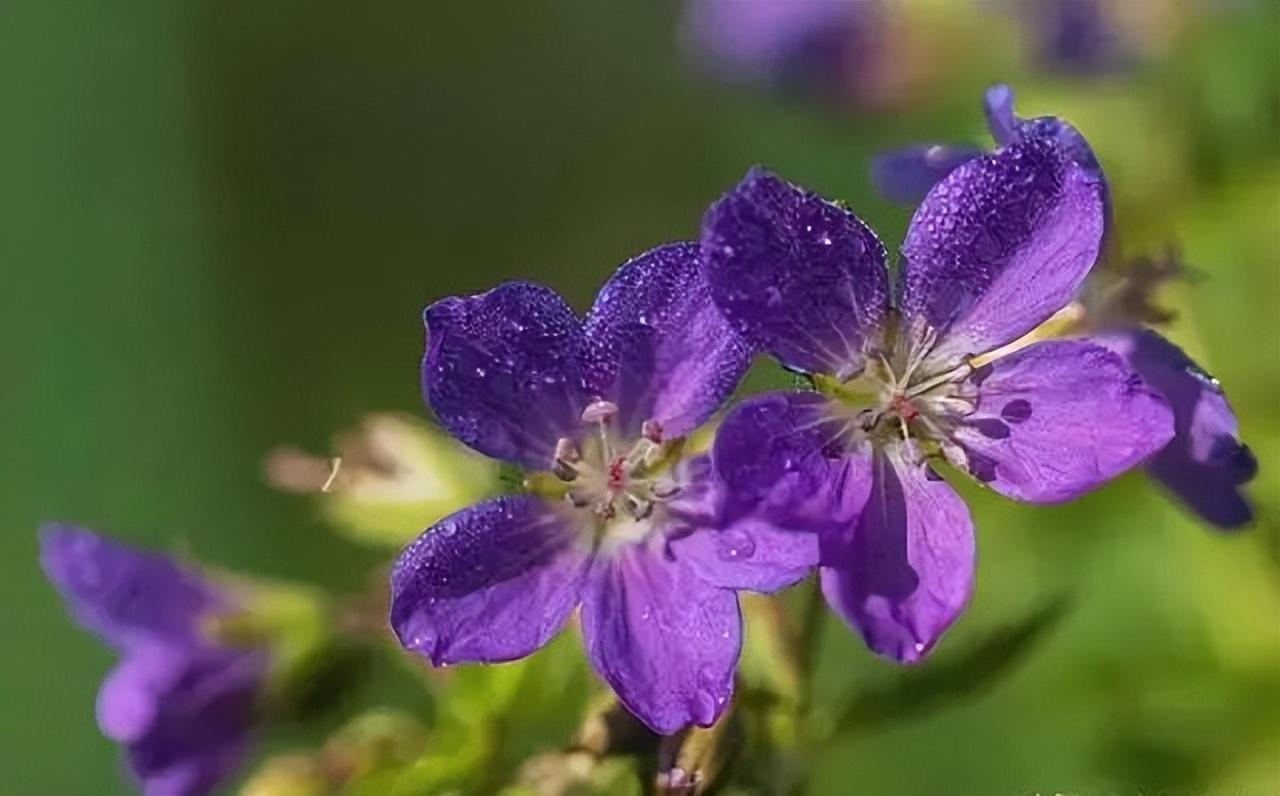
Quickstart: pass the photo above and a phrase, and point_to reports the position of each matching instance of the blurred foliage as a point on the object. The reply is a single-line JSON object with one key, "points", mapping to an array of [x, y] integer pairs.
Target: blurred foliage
{"points": [[220, 224]]}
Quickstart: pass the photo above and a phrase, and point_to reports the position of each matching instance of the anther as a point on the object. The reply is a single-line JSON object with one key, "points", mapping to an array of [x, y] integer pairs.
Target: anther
{"points": [[567, 454], [651, 430], [664, 490], [599, 411]]}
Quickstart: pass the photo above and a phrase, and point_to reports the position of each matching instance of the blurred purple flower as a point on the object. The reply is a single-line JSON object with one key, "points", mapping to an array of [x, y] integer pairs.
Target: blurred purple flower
{"points": [[838, 48], [997, 247], [181, 705], [1206, 464], [1077, 36], [614, 517]]}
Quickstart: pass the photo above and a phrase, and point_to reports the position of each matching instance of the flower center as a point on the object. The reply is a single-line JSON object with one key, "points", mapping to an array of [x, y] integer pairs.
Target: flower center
{"points": [[618, 483]]}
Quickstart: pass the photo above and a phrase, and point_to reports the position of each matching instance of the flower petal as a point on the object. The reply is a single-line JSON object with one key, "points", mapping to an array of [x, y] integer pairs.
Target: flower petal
{"points": [[1008, 128], [127, 706], [903, 572], [493, 582], [906, 175], [124, 594], [205, 707], [666, 641], [749, 554], [1206, 464], [997, 247], [1059, 418], [796, 275], [500, 371], [786, 458], [658, 348]]}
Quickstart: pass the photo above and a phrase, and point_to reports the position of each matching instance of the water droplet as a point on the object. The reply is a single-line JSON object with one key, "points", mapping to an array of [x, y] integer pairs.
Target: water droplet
{"points": [[735, 545]]}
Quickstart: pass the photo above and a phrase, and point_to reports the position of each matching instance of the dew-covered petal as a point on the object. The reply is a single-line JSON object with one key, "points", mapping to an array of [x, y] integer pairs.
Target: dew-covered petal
{"points": [[500, 371], [1206, 465], [906, 175], [796, 275], [750, 553], [1073, 415], [493, 582], [124, 594], [903, 572], [666, 641], [997, 247], [792, 460], [658, 348]]}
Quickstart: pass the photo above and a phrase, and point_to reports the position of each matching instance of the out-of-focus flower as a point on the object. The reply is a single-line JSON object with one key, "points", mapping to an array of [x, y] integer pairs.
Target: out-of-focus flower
{"points": [[1078, 36], [180, 703], [391, 477], [997, 247], [616, 517], [843, 50], [1206, 464]]}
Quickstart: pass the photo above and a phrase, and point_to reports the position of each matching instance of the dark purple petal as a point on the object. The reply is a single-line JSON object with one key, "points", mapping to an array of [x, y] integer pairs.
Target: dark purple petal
{"points": [[124, 594], [998, 246], [493, 582], [1087, 417], [657, 346], [500, 371], [1206, 464], [794, 274], [906, 175], [665, 640], [903, 572], [787, 459], [204, 707], [1008, 128]]}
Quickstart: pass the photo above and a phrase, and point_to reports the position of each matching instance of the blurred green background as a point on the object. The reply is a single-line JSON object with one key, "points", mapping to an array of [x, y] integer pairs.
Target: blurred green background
{"points": [[219, 224]]}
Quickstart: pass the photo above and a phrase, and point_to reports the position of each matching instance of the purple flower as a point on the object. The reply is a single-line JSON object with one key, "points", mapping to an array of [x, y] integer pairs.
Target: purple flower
{"points": [[837, 48], [997, 247], [616, 517], [181, 705], [1079, 37], [1206, 464]]}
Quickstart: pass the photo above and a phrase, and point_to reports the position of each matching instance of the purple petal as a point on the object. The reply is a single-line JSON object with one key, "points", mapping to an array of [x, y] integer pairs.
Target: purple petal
{"points": [[785, 458], [666, 641], [493, 582], [1076, 416], [500, 371], [998, 246], [124, 594], [658, 347], [1008, 128], [127, 706], [204, 710], [997, 103], [749, 554], [1206, 464], [903, 572], [906, 175], [794, 274]]}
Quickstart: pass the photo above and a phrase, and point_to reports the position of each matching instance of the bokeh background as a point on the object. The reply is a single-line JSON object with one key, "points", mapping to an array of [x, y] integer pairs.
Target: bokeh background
{"points": [[219, 224]]}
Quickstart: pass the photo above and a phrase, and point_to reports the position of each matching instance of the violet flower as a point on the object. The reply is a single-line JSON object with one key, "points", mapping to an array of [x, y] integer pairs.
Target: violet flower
{"points": [[832, 47], [1206, 464], [997, 247], [616, 516], [181, 705]]}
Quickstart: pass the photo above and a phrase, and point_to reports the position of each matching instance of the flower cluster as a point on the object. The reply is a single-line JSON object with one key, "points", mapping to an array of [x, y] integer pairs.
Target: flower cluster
{"points": [[645, 503], [623, 515]]}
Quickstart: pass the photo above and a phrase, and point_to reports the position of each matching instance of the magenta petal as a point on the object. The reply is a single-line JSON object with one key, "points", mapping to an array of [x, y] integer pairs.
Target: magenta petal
{"points": [[997, 247], [493, 582], [658, 347], [1074, 415], [1206, 464], [665, 640], [795, 274], [124, 594], [501, 371], [903, 573]]}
